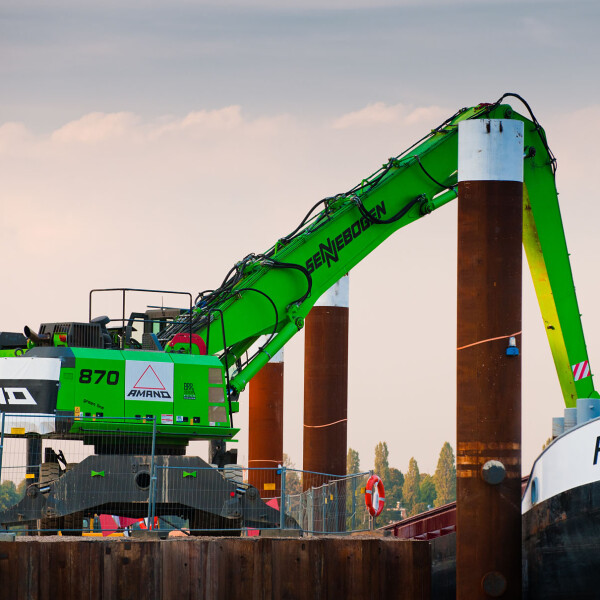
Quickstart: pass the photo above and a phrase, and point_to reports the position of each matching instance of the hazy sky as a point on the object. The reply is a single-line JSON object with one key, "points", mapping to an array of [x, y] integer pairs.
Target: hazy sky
{"points": [[153, 144]]}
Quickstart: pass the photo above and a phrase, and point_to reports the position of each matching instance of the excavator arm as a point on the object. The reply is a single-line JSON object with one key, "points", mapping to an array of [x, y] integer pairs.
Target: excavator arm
{"points": [[548, 259], [271, 293]]}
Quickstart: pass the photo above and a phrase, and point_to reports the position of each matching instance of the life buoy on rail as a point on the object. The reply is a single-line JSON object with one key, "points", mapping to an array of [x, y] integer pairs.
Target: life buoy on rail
{"points": [[374, 495]]}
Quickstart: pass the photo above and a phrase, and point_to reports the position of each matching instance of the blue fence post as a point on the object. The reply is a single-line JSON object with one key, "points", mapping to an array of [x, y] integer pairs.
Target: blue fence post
{"points": [[282, 502], [323, 509], [152, 490], [2, 444], [311, 509], [353, 525]]}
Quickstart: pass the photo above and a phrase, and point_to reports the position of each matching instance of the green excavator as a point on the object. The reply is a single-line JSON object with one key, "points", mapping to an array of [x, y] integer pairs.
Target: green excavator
{"points": [[140, 387]]}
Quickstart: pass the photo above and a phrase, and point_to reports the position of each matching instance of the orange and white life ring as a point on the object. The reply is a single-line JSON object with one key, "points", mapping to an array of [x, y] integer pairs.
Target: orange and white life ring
{"points": [[374, 495]]}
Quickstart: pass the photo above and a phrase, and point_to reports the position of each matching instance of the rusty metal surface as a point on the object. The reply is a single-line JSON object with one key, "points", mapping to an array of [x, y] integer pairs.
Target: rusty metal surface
{"points": [[325, 391], [433, 523], [217, 568], [488, 385], [429, 525], [265, 429]]}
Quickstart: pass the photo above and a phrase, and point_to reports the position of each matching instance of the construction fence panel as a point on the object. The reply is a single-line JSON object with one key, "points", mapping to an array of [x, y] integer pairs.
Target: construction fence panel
{"points": [[74, 475], [323, 503], [332, 504]]}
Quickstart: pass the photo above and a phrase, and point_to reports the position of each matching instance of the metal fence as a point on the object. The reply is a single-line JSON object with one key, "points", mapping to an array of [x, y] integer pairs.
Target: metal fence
{"points": [[53, 468], [102, 476], [330, 504]]}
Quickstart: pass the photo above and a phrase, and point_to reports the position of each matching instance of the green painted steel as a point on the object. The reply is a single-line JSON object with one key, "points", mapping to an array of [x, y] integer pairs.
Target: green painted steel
{"points": [[340, 236], [194, 406], [191, 396], [548, 258]]}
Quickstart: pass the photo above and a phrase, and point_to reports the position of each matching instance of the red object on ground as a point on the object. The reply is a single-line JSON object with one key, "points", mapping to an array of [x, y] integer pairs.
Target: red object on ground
{"points": [[144, 523], [127, 521], [108, 525], [273, 503]]}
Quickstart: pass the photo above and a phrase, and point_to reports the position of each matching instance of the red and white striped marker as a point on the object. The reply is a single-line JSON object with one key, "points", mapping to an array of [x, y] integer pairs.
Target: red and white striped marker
{"points": [[581, 370]]}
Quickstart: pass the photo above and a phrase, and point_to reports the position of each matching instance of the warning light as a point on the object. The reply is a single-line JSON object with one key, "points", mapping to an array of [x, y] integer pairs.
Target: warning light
{"points": [[512, 349], [232, 494]]}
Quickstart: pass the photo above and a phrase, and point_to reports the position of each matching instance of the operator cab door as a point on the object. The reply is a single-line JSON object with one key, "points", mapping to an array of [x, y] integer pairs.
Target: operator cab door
{"points": [[149, 385]]}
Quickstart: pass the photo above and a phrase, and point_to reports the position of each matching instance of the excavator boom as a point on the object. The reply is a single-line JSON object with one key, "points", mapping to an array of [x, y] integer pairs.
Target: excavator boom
{"points": [[279, 287]]}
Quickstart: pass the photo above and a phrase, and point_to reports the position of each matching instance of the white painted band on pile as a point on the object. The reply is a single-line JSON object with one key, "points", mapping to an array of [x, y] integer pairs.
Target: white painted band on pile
{"points": [[337, 295], [494, 155]]}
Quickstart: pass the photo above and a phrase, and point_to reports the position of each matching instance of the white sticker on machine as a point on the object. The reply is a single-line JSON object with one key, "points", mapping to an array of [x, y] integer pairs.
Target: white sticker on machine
{"points": [[149, 381], [166, 419]]}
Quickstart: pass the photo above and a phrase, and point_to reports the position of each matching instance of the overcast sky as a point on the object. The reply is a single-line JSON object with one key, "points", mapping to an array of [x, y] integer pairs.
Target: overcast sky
{"points": [[153, 144]]}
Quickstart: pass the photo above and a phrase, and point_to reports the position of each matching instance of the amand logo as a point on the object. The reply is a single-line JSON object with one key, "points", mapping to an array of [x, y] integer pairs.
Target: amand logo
{"points": [[149, 381]]}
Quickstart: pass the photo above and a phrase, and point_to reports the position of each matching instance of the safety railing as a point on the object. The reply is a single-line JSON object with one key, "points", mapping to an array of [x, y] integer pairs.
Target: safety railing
{"points": [[54, 468], [327, 504], [74, 475]]}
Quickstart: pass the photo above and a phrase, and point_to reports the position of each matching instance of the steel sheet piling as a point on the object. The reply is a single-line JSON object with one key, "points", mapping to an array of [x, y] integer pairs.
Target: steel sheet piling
{"points": [[265, 428], [490, 206]]}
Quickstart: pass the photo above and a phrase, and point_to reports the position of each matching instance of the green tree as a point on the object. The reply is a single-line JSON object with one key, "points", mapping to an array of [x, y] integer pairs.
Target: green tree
{"points": [[418, 508], [8, 495], [382, 467], [293, 485], [393, 490], [393, 493], [427, 491], [445, 476], [355, 513], [352, 462], [22, 488], [412, 486]]}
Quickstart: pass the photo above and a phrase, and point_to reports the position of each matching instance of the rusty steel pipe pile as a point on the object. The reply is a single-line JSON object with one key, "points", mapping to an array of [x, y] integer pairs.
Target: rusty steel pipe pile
{"points": [[265, 428], [490, 206], [326, 384]]}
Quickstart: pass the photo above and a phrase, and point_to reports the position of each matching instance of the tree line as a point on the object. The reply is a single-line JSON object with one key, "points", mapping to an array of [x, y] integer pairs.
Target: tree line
{"points": [[413, 491], [10, 493]]}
